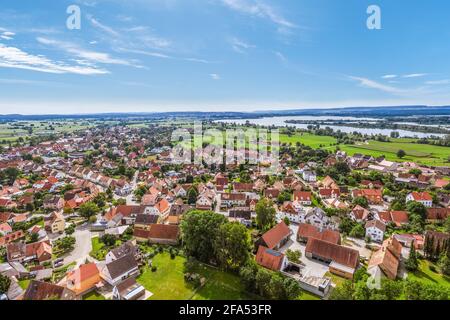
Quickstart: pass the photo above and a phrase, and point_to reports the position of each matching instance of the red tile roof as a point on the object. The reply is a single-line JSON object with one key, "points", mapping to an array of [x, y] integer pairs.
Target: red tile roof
{"points": [[269, 259], [275, 235]]}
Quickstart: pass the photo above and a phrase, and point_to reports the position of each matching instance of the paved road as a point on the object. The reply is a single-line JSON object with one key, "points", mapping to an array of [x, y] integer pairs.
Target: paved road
{"points": [[82, 247]]}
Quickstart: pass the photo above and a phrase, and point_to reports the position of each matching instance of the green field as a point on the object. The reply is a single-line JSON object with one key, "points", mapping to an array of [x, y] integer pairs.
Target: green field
{"points": [[420, 153], [167, 282], [425, 274], [308, 139], [10, 132]]}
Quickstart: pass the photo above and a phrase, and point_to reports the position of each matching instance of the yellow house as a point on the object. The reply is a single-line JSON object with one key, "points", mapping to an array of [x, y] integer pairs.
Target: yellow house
{"points": [[55, 223]]}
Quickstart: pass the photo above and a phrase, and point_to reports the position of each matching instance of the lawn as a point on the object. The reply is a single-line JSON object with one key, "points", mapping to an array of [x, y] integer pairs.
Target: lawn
{"points": [[93, 295], [308, 296], [167, 282], [311, 140], [335, 279], [425, 274], [24, 284], [421, 153]]}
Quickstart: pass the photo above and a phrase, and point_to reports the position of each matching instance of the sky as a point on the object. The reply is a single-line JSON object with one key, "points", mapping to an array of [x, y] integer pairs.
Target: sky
{"points": [[221, 55]]}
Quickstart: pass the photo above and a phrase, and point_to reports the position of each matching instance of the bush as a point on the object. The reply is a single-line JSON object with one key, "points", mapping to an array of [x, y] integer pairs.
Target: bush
{"points": [[154, 268]]}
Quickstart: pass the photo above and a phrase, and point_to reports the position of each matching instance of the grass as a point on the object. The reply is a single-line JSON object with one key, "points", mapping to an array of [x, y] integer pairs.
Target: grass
{"points": [[311, 140], [167, 282], [335, 278], [420, 153], [93, 295], [308, 296], [425, 274], [24, 283]]}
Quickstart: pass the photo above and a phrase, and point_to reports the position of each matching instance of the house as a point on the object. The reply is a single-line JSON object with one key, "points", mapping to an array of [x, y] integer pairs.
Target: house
{"points": [[320, 286], [53, 202], [294, 213], [342, 261], [387, 258], [326, 193], [276, 237], [437, 214], [271, 193], [83, 279], [117, 271], [11, 237], [359, 214], [303, 197], [309, 176], [407, 240], [38, 290], [307, 231], [5, 229], [232, 199], [159, 233], [164, 234], [399, 218], [204, 203], [422, 197], [125, 214], [375, 230], [125, 249], [21, 252], [55, 223], [242, 187], [144, 221], [316, 217], [128, 290], [271, 259], [373, 196]]}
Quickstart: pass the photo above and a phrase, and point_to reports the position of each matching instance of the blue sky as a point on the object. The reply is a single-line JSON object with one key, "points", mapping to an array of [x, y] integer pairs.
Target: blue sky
{"points": [[221, 55]]}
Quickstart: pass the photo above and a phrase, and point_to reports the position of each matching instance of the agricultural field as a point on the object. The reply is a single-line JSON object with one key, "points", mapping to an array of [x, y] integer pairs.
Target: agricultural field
{"points": [[311, 140], [420, 153], [12, 131]]}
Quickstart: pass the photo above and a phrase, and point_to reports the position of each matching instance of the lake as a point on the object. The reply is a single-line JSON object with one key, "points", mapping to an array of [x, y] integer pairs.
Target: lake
{"points": [[281, 122]]}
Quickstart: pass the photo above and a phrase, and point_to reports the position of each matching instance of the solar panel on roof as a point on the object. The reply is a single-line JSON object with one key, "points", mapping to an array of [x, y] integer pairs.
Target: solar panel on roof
{"points": [[274, 253]]}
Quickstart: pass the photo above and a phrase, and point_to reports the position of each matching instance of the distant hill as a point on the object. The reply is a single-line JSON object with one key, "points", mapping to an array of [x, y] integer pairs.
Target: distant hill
{"points": [[379, 112]]}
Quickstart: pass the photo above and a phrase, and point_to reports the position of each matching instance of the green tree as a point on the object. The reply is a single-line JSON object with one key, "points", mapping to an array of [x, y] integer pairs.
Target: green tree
{"points": [[5, 282], [362, 201], [444, 261], [265, 214], [192, 196], [199, 230], [294, 255], [412, 263], [401, 154], [88, 210], [343, 291], [232, 246], [358, 231]]}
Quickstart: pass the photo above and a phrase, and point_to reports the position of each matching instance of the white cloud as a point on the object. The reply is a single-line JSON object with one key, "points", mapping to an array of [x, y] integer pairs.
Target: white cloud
{"points": [[438, 82], [258, 9], [98, 57], [367, 83], [240, 46], [103, 27], [215, 76], [414, 75], [281, 56], [11, 57], [389, 76]]}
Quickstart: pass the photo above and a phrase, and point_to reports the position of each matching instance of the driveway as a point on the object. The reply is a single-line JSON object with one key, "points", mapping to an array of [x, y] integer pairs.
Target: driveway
{"points": [[82, 248], [310, 267]]}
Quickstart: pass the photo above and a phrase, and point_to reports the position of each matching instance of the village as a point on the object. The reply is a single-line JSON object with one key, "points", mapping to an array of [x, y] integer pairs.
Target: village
{"points": [[106, 213]]}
